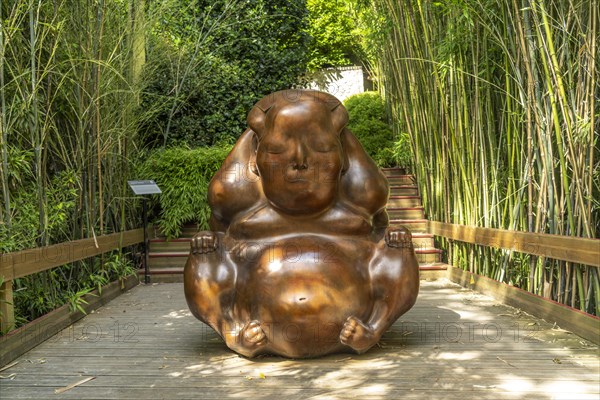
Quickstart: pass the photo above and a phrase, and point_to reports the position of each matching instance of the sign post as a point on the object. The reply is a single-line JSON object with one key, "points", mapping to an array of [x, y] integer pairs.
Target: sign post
{"points": [[143, 188]]}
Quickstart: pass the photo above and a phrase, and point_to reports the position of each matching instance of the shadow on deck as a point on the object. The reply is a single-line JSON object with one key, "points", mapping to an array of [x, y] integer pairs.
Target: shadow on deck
{"points": [[454, 344]]}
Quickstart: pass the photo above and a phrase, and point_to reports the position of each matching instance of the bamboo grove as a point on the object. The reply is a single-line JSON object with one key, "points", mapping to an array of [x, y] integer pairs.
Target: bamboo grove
{"points": [[500, 99], [68, 97]]}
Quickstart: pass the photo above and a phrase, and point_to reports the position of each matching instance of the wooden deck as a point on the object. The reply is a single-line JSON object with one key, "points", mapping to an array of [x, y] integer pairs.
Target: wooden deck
{"points": [[454, 344]]}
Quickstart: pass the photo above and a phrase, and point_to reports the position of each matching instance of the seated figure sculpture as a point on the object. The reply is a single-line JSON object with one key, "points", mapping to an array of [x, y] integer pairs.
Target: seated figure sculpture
{"points": [[300, 261]]}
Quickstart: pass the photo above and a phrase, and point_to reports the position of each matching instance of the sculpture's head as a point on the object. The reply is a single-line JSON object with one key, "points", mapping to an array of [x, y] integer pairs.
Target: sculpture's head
{"points": [[298, 149]]}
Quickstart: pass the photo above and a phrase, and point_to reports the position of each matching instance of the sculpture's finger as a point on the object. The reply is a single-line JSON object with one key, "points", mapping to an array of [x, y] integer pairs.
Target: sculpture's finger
{"points": [[195, 245]]}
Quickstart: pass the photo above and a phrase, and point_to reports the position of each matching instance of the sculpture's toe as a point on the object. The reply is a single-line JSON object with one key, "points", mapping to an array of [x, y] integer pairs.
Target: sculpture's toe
{"points": [[254, 335], [357, 335]]}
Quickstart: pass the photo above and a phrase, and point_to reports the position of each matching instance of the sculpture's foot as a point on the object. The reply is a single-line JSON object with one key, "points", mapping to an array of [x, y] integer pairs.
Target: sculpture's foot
{"points": [[248, 341], [252, 335], [357, 335]]}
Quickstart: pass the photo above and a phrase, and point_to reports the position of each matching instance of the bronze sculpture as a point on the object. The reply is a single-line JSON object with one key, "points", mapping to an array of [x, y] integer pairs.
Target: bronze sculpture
{"points": [[300, 261]]}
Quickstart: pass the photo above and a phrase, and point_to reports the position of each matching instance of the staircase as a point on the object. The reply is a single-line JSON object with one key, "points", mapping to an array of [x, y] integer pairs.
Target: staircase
{"points": [[167, 257], [405, 208]]}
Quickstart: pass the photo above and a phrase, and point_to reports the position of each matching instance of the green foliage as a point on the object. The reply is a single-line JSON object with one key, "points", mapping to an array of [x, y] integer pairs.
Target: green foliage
{"points": [[333, 32], [38, 294], [183, 175], [367, 122], [497, 98], [211, 61], [62, 196]]}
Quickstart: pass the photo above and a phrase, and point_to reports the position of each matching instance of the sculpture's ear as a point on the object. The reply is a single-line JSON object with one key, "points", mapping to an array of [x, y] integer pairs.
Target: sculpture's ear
{"points": [[339, 117], [345, 156], [252, 159], [258, 114]]}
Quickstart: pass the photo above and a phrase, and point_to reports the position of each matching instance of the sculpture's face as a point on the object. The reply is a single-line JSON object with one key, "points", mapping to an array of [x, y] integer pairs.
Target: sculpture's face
{"points": [[299, 158]]}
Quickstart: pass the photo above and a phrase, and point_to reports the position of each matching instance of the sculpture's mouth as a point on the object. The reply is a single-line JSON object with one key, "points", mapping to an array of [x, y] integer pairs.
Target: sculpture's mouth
{"points": [[297, 180]]}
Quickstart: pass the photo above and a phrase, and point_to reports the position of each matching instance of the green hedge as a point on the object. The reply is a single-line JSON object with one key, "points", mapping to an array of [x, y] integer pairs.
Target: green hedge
{"points": [[367, 122], [183, 176]]}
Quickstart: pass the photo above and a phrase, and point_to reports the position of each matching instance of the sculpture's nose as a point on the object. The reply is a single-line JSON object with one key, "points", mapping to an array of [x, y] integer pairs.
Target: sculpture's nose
{"points": [[299, 161]]}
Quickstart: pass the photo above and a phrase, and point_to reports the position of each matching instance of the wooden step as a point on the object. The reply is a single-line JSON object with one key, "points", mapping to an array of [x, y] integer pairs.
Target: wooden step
{"points": [[170, 259], [405, 212], [165, 275], [404, 201], [427, 256], [401, 180], [422, 240], [404, 190], [414, 225], [393, 171], [435, 266]]}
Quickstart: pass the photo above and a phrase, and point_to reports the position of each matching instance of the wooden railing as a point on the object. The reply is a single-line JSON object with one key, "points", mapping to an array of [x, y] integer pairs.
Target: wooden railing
{"points": [[27, 262], [567, 248]]}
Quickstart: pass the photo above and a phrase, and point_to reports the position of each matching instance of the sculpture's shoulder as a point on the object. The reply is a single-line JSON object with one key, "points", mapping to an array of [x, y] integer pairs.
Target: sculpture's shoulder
{"points": [[363, 184]]}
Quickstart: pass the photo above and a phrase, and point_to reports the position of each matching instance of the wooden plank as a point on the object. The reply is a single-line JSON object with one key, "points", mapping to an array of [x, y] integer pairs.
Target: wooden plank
{"points": [[7, 309], [568, 248], [27, 262], [25, 338], [172, 355], [576, 321]]}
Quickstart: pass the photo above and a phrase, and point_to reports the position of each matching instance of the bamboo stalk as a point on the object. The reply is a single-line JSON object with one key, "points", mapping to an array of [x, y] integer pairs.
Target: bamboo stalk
{"points": [[6, 216]]}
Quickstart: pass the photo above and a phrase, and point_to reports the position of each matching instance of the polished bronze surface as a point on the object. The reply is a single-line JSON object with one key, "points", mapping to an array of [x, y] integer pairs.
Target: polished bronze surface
{"points": [[300, 261]]}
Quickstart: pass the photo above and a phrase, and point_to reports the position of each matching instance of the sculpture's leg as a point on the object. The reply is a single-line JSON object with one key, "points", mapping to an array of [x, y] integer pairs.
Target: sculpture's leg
{"points": [[209, 283], [394, 272]]}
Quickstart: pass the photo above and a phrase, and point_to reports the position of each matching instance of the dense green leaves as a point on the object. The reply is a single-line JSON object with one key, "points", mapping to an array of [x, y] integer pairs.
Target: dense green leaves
{"points": [[183, 174], [334, 36], [500, 101], [211, 61], [369, 124]]}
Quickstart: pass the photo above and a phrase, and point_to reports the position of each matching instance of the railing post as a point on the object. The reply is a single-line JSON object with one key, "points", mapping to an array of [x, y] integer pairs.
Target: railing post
{"points": [[7, 309]]}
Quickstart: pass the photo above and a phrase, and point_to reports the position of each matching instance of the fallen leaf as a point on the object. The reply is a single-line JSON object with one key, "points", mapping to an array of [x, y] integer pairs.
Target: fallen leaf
{"points": [[8, 366], [343, 359], [484, 387], [262, 376], [11, 376], [506, 362], [557, 361], [72, 385]]}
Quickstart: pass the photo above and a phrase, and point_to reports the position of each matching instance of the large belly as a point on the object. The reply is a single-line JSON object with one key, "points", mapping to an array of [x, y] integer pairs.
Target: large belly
{"points": [[303, 289]]}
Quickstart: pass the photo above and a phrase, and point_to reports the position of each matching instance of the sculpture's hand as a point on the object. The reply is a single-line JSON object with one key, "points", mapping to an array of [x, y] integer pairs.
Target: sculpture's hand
{"points": [[399, 237], [204, 242]]}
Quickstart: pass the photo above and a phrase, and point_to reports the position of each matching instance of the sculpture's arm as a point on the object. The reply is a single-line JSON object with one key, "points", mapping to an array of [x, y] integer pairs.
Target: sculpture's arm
{"points": [[394, 272], [210, 279], [235, 187]]}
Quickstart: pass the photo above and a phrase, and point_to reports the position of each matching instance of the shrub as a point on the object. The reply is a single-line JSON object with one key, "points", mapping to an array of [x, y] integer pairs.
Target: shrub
{"points": [[183, 176], [367, 122], [211, 60]]}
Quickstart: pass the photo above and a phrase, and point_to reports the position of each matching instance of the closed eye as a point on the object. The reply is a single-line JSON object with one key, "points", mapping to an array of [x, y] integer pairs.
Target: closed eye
{"points": [[275, 149]]}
